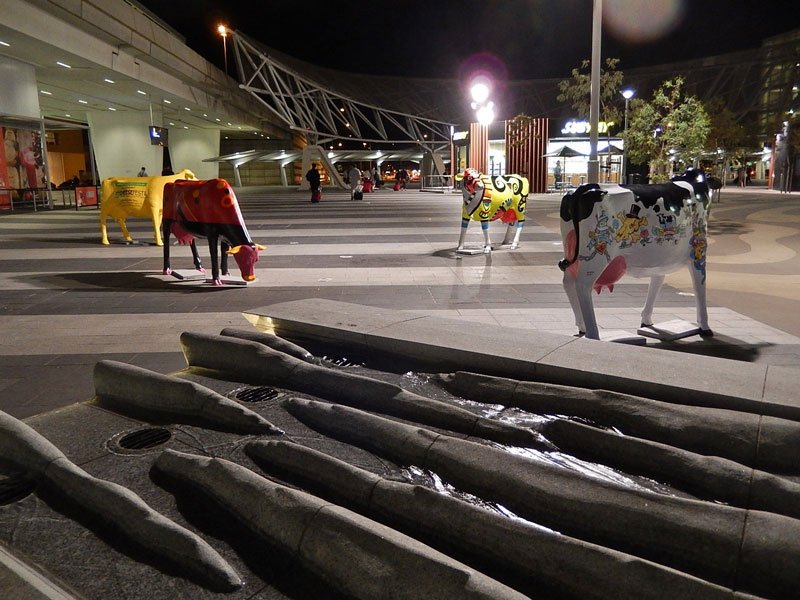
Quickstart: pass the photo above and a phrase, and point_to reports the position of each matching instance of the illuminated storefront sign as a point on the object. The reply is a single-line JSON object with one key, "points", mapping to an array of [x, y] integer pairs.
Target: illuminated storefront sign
{"points": [[583, 127], [461, 138]]}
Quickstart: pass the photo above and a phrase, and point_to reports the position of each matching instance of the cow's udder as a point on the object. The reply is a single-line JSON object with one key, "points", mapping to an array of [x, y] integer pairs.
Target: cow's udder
{"points": [[611, 274]]}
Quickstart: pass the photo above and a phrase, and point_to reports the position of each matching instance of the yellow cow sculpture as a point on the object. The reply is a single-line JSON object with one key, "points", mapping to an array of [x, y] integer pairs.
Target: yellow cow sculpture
{"points": [[124, 197]]}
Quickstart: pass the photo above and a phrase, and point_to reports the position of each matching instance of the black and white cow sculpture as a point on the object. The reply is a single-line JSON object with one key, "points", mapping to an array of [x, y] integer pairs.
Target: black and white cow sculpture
{"points": [[644, 230]]}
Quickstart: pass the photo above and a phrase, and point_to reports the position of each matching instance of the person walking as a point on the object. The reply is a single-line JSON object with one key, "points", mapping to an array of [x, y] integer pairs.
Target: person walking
{"points": [[313, 178]]}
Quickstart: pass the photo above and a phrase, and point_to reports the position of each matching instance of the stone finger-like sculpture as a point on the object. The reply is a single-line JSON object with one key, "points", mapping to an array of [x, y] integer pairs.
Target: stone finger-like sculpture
{"points": [[763, 442], [256, 363], [269, 339], [357, 556], [175, 398], [539, 557], [747, 550], [25, 449], [707, 477]]}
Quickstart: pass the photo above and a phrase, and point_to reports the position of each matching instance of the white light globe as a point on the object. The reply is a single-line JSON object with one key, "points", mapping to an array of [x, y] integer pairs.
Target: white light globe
{"points": [[479, 92], [485, 114]]}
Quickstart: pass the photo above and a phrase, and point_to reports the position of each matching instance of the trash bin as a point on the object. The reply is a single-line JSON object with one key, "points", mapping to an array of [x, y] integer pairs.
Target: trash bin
{"points": [[634, 178]]}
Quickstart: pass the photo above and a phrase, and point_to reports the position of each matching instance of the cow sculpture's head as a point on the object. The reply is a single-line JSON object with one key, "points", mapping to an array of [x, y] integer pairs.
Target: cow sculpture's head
{"points": [[246, 257], [472, 178]]}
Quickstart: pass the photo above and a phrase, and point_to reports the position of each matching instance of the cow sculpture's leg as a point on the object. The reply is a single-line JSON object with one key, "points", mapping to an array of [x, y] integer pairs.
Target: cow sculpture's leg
{"points": [[156, 220], [166, 225], [103, 228], [652, 293], [572, 294], [487, 245], [699, 284], [512, 234], [125, 233], [462, 237], [578, 285], [195, 254], [213, 247], [223, 258]]}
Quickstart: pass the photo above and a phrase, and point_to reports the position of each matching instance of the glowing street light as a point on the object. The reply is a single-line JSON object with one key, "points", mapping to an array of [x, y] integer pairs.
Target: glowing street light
{"points": [[479, 92], [485, 114], [483, 107], [627, 94], [223, 31]]}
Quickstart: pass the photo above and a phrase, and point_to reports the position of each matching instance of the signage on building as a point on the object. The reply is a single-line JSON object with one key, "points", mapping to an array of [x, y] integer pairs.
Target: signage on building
{"points": [[583, 127], [461, 138]]}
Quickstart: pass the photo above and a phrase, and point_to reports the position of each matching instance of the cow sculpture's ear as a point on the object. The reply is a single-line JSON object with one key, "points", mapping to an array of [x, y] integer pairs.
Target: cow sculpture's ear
{"points": [[260, 247], [234, 250]]}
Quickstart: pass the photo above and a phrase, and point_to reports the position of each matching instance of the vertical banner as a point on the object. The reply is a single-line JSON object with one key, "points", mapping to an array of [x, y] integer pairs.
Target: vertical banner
{"points": [[21, 161]]}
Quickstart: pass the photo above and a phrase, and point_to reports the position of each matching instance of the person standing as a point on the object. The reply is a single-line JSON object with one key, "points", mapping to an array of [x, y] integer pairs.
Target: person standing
{"points": [[354, 180], [557, 174], [313, 178], [142, 172], [402, 178]]}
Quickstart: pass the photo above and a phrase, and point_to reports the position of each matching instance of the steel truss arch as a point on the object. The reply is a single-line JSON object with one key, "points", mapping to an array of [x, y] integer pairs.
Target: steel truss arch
{"points": [[320, 112]]}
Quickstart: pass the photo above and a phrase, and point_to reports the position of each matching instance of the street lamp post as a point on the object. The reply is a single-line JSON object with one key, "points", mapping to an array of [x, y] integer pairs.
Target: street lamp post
{"points": [[593, 164], [627, 94], [223, 31]]}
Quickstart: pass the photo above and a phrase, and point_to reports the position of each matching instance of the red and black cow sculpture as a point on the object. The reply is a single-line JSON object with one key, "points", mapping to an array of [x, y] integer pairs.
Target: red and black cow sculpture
{"points": [[644, 230], [208, 209]]}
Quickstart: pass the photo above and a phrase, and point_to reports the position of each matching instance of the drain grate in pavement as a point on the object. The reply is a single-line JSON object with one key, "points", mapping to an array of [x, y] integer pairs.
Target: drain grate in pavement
{"points": [[144, 439], [14, 488], [257, 394]]}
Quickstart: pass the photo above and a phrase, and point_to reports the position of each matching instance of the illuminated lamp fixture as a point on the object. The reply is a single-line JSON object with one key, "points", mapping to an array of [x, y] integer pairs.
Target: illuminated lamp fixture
{"points": [[223, 31]]}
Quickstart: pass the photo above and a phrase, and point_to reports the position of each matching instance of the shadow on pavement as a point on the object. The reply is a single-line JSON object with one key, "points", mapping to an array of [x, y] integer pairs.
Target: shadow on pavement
{"points": [[718, 346], [134, 281]]}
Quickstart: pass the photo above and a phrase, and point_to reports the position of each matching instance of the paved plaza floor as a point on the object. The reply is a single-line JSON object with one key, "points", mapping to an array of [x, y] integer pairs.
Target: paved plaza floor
{"points": [[66, 301]]}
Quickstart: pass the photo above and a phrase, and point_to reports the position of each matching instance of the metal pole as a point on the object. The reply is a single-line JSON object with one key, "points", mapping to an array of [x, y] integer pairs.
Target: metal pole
{"points": [[625, 145], [225, 51], [593, 170]]}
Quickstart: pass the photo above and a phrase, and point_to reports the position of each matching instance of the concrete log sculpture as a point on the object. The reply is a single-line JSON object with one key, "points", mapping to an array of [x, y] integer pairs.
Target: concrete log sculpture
{"points": [[256, 363], [538, 558], [707, 477], [177, 399], [268, 339], [749, 550], [24, 449], [768, 443], [357, 556]]}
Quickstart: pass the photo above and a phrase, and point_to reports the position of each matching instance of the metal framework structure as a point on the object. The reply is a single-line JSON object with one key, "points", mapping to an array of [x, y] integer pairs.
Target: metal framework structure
{"points": [[321, 112]]}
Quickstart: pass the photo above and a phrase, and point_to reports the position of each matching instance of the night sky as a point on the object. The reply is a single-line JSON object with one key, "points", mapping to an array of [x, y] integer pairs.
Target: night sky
{"points": [[520, 39]]}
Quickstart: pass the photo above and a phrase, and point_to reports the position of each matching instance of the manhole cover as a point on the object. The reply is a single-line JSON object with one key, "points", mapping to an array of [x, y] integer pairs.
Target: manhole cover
{"points": [[257, 394], [14, 488], [144, 439]]}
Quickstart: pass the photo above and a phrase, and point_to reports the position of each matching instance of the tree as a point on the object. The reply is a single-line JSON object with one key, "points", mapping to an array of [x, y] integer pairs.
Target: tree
{"points": [[577, 91], [672, 127], [727, 138]]}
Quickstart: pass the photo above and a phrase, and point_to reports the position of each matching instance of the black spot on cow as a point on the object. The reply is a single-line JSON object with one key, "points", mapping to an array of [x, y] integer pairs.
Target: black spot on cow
{"points": [[580, 203]]}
